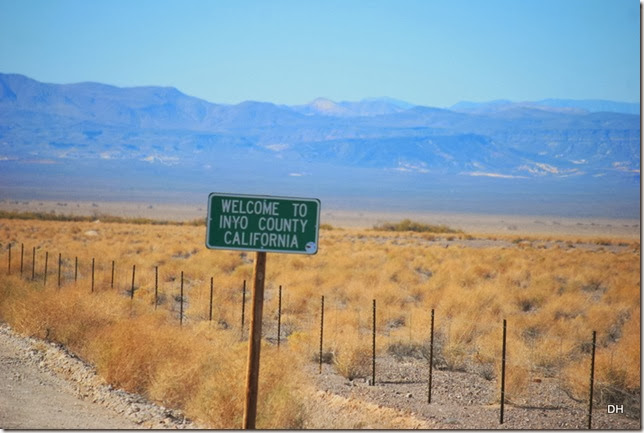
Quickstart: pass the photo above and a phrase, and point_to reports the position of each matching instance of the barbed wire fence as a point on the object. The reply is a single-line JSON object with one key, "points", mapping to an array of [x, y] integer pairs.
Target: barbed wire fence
{"points": [[376, 324]]}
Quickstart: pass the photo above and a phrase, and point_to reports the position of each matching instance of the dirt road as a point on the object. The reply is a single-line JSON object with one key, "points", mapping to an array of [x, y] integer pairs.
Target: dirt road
{"points": [[44, 387]]}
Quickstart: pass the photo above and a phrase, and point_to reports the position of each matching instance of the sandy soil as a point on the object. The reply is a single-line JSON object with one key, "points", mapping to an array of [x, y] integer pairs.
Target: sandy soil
{"points": [[463, 400], [470, 223]]}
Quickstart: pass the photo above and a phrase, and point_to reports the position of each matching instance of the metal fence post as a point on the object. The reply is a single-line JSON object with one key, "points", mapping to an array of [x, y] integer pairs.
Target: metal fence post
{"points": [[503, 372], [592, 379], [156, 286], [60, 264], [321, 331], [243, 309], [133, 271], [33, 265], [431, 359], [211, 290], [279, 316], [45, 277], [181, 303], [373, 346]]}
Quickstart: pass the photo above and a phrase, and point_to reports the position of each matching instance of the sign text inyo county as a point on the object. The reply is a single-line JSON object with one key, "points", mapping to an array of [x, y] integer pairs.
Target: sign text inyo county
{"points": [[262, 223]]}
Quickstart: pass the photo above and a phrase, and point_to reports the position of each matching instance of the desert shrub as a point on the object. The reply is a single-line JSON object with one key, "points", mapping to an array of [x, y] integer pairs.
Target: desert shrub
{"points": [[454, 356], [517, 379], [219, 396], [199, 369], [408, 225], [327, 357], [67, 317], [401, 350], [486, 370], [130, 353], [53, 216], [352, 358]]}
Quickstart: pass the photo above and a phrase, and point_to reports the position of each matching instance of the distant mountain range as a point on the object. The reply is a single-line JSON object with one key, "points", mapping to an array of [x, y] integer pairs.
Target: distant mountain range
{"points": [[376, 147], [554, 105]]}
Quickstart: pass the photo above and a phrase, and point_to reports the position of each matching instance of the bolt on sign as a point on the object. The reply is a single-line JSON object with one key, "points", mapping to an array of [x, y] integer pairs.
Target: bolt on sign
{"points": [[263, 223]]}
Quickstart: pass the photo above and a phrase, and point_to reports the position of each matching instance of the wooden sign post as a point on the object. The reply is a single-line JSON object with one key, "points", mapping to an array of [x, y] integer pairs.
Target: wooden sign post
{"points": [[262, 224], [255, 340]]}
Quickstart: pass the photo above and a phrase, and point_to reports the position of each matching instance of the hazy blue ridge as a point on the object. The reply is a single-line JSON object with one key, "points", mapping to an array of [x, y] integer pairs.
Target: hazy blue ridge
{"points": [[126, 140], [556, 105]]}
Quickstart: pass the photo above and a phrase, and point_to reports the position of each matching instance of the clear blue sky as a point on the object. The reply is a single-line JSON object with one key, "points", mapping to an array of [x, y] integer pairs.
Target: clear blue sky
{"points": [[430, 52]]}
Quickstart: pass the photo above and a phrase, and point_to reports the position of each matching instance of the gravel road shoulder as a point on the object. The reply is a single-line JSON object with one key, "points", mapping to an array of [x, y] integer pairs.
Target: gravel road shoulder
{"points": [[42, 386]]}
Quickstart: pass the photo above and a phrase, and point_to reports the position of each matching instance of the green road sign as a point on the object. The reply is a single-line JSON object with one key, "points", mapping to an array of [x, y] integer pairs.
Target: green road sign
{"points": [[263, 223]]}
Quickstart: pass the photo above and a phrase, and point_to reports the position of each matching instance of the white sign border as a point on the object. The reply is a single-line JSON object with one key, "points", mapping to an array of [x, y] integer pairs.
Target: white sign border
{"points": [[264, 197]]}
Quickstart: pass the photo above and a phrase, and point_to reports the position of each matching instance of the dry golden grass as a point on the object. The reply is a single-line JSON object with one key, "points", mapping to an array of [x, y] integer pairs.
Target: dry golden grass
{"points": [[199, 368], [552, 297]]}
